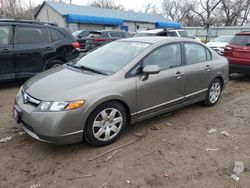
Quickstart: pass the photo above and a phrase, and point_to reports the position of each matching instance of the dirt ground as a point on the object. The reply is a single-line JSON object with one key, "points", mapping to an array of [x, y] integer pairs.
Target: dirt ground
{"points": [[170, 150]]}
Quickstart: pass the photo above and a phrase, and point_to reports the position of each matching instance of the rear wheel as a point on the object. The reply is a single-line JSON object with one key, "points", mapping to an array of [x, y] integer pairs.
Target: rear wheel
{"points": [[105, 124], [213, 92], [53, 64]]}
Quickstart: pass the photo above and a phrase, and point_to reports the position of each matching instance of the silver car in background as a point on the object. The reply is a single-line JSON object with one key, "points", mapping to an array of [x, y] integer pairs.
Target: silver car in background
{"points": [[121, 83]]}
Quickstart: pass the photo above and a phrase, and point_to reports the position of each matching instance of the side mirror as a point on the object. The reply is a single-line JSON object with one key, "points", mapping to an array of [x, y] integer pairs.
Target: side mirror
{"points": [[80, 36], [150, 69]]}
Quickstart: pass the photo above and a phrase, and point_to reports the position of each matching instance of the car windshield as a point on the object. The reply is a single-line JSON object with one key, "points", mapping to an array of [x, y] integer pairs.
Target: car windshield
{"points": [[112, 57], [222, 39]]}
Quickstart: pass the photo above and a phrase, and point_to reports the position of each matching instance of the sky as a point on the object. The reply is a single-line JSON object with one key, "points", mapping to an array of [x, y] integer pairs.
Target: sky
{"points": [[128, 4]]}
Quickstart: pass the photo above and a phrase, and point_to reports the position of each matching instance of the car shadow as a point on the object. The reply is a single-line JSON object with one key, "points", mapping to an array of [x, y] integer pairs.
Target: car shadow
{"points": [[239, 77]]}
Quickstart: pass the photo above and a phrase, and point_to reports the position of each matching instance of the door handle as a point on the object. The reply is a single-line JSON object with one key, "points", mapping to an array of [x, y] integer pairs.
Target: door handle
{"points": [[48, 48], [5, 51], [208, 68], [178, 75]]}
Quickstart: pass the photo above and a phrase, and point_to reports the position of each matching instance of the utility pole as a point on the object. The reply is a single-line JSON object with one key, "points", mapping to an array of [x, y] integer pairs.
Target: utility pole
{"points": [[31, 9]]}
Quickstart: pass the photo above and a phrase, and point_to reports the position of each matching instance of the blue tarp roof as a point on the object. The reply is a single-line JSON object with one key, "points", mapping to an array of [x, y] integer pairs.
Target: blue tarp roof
{"points": [[65, 9], [167, 25], [75, 18]]}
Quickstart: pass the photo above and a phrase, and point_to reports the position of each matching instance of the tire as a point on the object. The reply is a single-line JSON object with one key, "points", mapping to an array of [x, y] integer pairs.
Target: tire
{"points": [[53, 64], [105, 124], [213, 92]]}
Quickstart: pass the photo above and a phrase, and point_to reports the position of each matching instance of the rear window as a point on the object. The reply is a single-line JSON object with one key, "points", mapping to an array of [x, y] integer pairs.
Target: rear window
{"points": [[56, 35], [32, 35], [116, 35], [4, 35], [241, 40], [95, 34]]}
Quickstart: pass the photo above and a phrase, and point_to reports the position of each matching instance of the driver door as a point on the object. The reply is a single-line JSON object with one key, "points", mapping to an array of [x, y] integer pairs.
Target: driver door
{"points": [[165, 89]]}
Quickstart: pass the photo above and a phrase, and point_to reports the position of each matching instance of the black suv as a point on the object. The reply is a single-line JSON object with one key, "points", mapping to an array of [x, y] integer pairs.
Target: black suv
{"points": [[28, 47], [99, 38]]}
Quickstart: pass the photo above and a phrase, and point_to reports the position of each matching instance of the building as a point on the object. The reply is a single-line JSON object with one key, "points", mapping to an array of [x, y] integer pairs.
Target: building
{"points": [[85, 17]]}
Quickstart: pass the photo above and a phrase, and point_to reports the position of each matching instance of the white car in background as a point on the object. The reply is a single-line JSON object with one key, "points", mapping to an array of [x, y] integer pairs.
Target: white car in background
{"points": [[219, 43], [166, 32]]}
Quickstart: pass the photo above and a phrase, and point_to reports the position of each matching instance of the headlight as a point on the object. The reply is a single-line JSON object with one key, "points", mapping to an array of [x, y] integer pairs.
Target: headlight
{"points": [[59, 106]]}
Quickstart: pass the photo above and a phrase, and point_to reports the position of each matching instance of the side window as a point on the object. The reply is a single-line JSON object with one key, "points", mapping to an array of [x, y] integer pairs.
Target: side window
{"points": [[166, 57], [32, 35], [56, 35], [172, 34], [4, 35], [195, 53]]}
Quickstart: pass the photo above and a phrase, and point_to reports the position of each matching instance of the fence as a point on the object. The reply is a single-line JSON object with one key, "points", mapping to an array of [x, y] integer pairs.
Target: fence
{"points": [[214, 31]]}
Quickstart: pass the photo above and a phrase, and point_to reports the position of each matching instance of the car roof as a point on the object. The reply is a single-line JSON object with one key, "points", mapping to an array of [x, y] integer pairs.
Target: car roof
{"points": [[154, 40], [151, 31]]}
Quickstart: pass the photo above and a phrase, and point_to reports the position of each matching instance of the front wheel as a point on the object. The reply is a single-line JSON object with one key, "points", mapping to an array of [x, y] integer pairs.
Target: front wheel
{"points": [[213, 92], [105, 124]]}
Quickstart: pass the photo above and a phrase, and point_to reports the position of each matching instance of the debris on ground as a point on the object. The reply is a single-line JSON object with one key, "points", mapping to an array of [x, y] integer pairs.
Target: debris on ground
{"points": [[109, 157], [6, 139], [238, 169], [225, 133], [167, 124], [155, 128], [14, 131], [212, 149], [35, 186], [128, 181], [164, 157], [210, 131], [22, 133], [80, 177], [165, 175]]}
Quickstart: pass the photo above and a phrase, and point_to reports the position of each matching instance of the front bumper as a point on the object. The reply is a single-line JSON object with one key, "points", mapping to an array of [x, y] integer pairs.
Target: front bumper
{"points": [[65, 127]]}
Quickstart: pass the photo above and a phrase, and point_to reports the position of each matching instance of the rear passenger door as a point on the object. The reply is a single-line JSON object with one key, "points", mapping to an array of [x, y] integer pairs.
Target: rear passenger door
{"points": [[31, 49], [6, 52], [198, 70]]}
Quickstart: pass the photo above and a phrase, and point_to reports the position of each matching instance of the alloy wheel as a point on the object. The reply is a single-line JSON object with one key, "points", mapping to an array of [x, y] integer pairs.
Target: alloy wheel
{"points": [[107, 124]]}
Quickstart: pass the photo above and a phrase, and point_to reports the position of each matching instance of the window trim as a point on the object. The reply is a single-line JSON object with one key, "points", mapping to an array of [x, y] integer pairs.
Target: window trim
{"points": [[185, 55], [129, 75]]}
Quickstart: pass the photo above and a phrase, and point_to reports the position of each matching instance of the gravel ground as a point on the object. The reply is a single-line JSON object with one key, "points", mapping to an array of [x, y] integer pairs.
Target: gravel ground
{"points": [[169, 150]]}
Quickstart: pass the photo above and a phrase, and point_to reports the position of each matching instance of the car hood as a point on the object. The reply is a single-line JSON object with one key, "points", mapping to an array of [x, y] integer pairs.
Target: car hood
{"points": [[60, 84], [217, 44]]}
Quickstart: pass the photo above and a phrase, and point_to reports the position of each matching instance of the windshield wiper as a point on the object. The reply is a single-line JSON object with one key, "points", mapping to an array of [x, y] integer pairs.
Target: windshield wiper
{"points": [[81, 67]]}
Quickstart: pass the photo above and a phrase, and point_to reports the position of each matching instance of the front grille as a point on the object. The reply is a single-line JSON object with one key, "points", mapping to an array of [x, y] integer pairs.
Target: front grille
{"points": [[28, 99]]}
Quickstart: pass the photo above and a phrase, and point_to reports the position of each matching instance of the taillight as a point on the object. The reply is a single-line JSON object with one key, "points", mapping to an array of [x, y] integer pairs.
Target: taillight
{"points": [[99, 39], [76, 44]]}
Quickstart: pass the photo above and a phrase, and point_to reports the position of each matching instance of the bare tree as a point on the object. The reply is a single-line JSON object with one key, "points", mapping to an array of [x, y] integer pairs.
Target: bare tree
{"points": [[232, 11], [180, 11], [110, 4], [150, 9], [205, 9]]}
